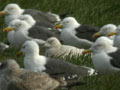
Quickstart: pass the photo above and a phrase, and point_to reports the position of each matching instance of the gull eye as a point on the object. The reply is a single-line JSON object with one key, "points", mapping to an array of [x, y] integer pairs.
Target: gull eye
{"points": [[107, 28], [2, 65], [22, 19], [19, 24], [98, 45], [23, 47], [66, 22], [50, 41], [11, 8]]}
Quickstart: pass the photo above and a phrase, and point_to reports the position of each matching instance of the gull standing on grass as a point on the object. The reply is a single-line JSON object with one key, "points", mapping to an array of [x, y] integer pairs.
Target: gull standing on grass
{"points": [[55, 49]]}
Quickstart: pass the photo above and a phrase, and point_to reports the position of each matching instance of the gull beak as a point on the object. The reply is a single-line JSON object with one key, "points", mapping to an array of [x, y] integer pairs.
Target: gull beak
{"points": [[111, 34], [8, 29], [87, 51], [2, 13], [96, 35], [58, 26], [18, 53]]}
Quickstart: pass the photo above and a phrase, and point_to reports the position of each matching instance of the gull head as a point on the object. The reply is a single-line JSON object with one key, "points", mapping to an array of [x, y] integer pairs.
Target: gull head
{"points": [[102, 44], [69, 22], [105, 30], [30, 47], [19, 25], [28, 18], [116, 32], [11, 26], [52, 42], [12, 9], [12, 23], [9, 64]]}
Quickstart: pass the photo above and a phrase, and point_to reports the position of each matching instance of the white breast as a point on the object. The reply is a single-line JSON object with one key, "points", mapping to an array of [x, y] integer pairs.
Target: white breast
{"points": [[35, 64], [9, 18], [67, 36], [10, 36], [20, 37], [102, 64]]}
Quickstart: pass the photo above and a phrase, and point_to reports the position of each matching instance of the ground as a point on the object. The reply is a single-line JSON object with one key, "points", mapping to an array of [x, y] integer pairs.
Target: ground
{"points": [[93, 12]]}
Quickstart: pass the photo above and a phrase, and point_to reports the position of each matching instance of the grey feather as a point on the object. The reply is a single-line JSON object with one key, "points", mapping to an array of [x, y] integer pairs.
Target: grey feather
{"points": [[40, 32], [115, 61], [65, 68], [86, 32], [40, 16]]}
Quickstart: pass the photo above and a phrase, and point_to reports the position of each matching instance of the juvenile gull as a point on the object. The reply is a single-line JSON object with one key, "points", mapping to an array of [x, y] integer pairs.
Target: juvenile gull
{"points": [[38, 63], [6, 73], [76, 34], [56, 49], [15, 78], [13, 11], [23, 79], [105, 62], [24, 31], [105, 30]]}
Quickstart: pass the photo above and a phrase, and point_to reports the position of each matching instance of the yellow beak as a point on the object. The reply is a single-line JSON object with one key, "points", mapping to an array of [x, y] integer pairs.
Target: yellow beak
{"points": [[111, 34], [58, 26], [8, 29], [3, 13], [87, 51], [18, 53], [96, 35]]}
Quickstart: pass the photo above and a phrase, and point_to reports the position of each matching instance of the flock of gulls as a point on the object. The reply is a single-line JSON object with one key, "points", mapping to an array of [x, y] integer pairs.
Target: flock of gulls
{"points": [[32, 30]]}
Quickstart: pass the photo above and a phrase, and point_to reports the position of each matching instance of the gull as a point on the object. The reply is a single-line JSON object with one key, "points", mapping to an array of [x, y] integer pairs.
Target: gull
{"points": [[22, 31], [38, 63], [56, 49], [105, 57], [75, 34], [12, 77], [13, 11], [6, 74]]}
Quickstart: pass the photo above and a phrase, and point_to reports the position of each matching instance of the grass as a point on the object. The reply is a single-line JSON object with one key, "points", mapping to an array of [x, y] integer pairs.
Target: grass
{"points": [[93, 12]]}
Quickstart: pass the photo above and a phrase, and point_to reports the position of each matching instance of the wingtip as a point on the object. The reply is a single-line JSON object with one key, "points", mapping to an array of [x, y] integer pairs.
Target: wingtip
{"points": [[92, 72]]}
